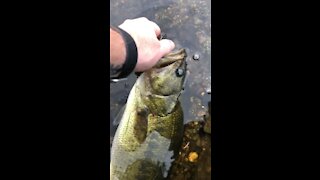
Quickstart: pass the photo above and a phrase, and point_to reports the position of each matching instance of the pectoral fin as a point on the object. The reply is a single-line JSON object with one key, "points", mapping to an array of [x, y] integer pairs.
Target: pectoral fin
{"points": [[141, 125]]}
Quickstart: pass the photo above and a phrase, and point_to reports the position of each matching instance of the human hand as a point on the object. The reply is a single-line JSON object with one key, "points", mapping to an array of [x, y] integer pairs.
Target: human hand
{"points": [[150, 48]]}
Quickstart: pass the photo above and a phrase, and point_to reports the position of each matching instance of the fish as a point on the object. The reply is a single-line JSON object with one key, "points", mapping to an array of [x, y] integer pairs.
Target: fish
{"points": [[151, 128]]}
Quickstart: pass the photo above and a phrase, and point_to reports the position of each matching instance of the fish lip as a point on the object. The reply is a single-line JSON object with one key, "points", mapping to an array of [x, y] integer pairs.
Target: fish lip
{"points": [[172, 58], [160, 66], [178, 63], [166, 64]]}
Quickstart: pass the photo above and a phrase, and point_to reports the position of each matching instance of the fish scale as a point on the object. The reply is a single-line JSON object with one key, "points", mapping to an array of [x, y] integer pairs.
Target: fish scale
{"points": [[150, 131]]}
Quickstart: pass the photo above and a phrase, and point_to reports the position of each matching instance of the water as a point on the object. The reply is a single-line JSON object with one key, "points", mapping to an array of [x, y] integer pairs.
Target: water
{"points": [[188, 24]]}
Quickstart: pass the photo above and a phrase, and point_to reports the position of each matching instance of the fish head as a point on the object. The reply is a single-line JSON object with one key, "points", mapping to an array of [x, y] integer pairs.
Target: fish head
{"points": [[168, 75]]}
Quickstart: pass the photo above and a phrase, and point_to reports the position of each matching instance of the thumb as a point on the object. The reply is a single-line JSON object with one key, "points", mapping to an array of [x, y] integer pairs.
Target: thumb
{"points": [[166, 46]]}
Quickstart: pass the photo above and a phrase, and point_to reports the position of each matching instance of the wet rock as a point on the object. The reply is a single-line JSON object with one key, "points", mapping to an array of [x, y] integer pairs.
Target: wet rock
{"points": [[196, 56], [193, 156], [208, 90]]}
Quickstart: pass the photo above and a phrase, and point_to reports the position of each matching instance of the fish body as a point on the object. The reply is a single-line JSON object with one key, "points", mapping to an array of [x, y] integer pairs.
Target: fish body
{"points": [[151, 128]]}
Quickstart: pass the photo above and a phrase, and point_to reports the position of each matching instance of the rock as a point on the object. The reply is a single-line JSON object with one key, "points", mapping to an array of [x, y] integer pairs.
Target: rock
{"points": [[193, 156], [196, 56]]}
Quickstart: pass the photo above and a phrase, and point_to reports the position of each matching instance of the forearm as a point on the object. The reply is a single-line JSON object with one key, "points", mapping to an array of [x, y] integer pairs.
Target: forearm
{"points": [[117, 49], [123, 53]]}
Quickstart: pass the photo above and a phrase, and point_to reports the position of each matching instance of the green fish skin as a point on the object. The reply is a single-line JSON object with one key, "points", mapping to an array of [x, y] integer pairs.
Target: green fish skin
{"points": [[150, 131]]}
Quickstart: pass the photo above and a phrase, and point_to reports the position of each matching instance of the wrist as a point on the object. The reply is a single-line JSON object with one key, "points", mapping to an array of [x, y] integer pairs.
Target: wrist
{"points": [[117, 48], [130, 57]]}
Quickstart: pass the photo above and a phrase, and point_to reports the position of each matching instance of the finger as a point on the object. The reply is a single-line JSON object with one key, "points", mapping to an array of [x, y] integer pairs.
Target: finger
{"points": [[166, 46], [156, 28], [142, 19]]}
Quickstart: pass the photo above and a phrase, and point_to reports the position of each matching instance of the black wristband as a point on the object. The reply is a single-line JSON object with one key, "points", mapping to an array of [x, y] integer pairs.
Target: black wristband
{"points": [[131, 53]]}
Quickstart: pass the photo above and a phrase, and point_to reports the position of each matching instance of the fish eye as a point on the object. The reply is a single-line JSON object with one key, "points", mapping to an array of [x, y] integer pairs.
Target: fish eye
{"points": [[180, 72]]}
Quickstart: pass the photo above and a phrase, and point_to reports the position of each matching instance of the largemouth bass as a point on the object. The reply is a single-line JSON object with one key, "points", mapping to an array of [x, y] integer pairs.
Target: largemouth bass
{"points": [[151, 128]]}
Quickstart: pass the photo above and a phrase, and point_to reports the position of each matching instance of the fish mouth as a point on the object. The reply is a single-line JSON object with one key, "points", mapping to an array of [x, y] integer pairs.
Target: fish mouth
{"points": [[168, 76], [177, 57]]}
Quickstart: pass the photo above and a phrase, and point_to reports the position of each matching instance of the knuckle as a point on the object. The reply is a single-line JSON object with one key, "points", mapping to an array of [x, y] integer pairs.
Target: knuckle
{"points": [[144, 19]]}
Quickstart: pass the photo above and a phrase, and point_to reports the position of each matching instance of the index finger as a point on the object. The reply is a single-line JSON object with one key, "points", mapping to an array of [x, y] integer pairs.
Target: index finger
{"points": [[156, 28]]}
